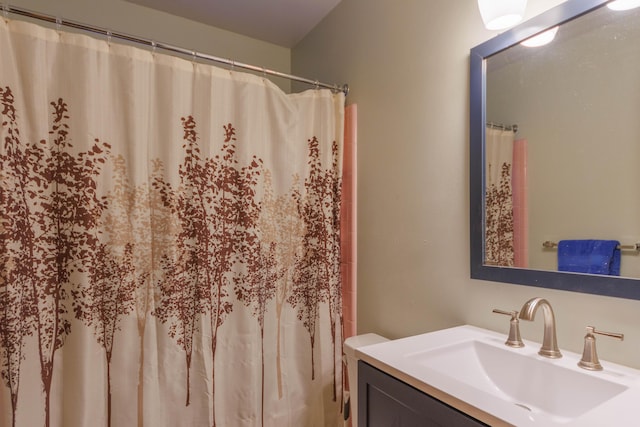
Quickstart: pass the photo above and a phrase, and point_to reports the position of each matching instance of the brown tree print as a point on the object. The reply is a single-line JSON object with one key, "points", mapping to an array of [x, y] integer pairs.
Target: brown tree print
{"points": [[256, 289], [15, 239], [333, 286], [233, 211], [216, 206], [60, 207], [316, 280], [280, 224], [182, 295], [108, 298], [180, 302], [184, 249], [14, 324], [499, 221], [119, 278]]}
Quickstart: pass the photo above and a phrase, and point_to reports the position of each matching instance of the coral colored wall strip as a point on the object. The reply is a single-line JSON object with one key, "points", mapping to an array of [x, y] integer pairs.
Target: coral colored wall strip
{"points": [[348, 221]]}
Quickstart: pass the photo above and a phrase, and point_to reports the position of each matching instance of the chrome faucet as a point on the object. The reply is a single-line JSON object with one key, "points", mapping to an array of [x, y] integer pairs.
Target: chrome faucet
{"points": [[549, 343]]}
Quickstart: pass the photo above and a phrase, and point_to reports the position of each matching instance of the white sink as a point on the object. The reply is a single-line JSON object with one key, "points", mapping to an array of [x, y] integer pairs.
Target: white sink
{"points": [[471, 368], [528, 382]]}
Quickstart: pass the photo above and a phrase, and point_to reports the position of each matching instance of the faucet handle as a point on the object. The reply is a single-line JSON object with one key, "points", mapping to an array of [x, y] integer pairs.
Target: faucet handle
{"points": [[589, 355], [514, 339]]}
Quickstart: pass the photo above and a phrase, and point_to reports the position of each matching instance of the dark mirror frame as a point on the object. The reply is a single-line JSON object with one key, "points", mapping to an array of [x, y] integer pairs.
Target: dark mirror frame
{"points": [[601, 285]]}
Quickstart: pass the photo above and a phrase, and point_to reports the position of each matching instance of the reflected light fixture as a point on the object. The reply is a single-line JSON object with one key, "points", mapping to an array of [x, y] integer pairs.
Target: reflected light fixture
{"points": [[501, 14], [541, 39], [623, 4]]}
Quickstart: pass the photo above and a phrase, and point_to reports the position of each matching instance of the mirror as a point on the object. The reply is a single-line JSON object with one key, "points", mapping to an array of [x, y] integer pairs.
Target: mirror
{"points": [[576, 111]]}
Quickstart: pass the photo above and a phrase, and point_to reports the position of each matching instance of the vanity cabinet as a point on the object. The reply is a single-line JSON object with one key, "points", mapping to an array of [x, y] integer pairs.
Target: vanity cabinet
{"points": [[384, 401]]}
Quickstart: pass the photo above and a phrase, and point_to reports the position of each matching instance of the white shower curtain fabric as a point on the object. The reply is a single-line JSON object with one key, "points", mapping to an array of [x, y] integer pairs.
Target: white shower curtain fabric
{"points": [[169, 240]]}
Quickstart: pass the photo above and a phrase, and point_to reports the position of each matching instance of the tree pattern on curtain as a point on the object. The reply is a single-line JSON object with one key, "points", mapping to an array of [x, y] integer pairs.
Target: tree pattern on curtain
{"points": [[499, 220], [318, 273], [185, 254], [50, 211]]}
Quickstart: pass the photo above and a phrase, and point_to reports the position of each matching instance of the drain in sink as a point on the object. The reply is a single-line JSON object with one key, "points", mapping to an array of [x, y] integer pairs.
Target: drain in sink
{"points": [[523, 406]]}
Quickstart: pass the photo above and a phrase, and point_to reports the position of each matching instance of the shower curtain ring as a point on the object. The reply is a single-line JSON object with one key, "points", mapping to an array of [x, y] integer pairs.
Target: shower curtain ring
{"points": [[316, 85], [154, 46], [58, 23], [109, 35], [5, 11]]}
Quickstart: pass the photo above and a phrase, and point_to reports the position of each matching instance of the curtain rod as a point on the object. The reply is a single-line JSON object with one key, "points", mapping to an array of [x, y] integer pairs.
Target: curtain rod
{"points": [[500, 126], [6, 9]]}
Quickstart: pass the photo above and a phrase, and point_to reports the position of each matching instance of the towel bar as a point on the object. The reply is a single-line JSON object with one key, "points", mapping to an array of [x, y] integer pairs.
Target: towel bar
{"points": [[634, 247]]}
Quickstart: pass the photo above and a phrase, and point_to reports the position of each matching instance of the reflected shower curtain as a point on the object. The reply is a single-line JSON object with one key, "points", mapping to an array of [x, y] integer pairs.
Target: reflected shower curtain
{"points": [[506, 218], [170, 246]]}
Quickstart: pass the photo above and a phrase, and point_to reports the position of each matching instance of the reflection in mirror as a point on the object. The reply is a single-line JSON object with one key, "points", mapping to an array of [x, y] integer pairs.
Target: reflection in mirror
{"points": [[503, 238], [572, 100], [569, 171]]}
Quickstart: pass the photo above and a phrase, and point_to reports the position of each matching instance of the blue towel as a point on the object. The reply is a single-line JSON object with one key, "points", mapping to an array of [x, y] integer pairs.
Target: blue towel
{"points": [[589, 256]]}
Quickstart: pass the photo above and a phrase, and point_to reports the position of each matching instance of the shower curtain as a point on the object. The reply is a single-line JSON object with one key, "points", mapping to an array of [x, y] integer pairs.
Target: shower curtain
{"points": [[169, 240], [506, 217]]}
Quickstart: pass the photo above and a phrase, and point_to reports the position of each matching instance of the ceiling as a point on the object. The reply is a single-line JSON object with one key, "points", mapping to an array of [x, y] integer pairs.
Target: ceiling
{"points": [[282, 22]]}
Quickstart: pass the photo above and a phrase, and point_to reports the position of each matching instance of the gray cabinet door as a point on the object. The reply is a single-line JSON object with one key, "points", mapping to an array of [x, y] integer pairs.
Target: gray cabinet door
{"points": [[384, 401]]}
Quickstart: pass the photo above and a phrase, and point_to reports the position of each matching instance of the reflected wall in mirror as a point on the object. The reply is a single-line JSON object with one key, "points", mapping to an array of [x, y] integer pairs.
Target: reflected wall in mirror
{"points": [[575, 102]]}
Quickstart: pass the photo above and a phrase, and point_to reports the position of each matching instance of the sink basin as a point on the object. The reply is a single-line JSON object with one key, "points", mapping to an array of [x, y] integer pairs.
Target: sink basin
{"points": [[470, 368], [528, 382]]}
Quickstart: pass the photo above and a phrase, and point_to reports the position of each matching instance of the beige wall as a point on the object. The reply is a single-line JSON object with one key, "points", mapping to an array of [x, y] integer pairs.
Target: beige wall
{"points": [[407, 64], [128, 18]]}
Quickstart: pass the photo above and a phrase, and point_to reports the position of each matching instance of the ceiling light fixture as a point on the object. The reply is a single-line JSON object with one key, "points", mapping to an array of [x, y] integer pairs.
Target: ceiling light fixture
{"points": [[541, 39], [623, 4], [501, 14]]}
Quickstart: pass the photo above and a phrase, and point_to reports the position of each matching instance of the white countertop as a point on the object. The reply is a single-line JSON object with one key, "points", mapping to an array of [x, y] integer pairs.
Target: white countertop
{"points": [[488, 406]]}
